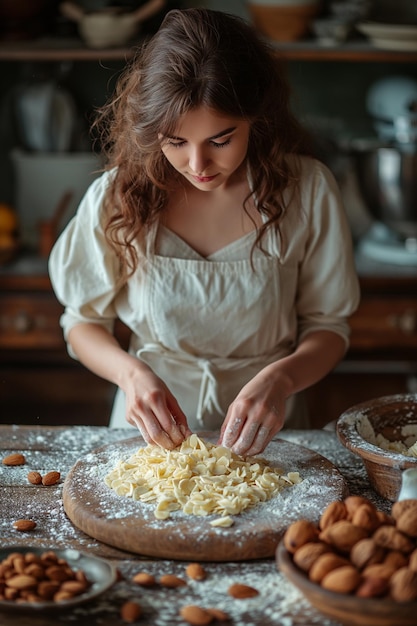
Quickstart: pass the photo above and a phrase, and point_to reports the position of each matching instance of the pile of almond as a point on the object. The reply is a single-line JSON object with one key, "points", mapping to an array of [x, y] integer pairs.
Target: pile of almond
{"points": [[28, 577], [358, 549]]}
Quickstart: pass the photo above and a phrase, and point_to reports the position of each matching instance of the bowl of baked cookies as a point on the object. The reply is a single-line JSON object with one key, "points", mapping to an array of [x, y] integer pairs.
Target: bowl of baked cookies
{"points": [[383, 433]]}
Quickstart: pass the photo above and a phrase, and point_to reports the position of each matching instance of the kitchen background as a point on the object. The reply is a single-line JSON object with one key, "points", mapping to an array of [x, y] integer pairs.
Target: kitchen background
{"points": [[348, 61]]}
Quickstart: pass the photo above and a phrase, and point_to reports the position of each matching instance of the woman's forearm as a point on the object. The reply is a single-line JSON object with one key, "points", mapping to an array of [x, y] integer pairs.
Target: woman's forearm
{"points": [[150, 406], [314, 358], [100, 352]]}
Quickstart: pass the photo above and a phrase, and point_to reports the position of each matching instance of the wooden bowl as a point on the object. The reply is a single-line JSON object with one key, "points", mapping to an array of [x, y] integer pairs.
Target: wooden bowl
{"points": [[283, 22], [387, 415], [344, 608]]}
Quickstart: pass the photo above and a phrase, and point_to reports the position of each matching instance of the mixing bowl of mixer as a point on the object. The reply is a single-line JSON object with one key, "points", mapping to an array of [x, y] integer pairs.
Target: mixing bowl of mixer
{"points": [[387, 178]]}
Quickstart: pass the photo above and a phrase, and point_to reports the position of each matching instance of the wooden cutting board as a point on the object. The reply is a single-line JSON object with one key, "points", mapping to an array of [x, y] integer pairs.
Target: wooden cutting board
{"points": [[130, 525]]}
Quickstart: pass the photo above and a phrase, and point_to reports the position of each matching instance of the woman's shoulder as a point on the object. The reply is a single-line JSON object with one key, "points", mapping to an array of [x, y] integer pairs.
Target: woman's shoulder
{"points": [[315, 178], [309, 167], [99, 186], [92, 205]]}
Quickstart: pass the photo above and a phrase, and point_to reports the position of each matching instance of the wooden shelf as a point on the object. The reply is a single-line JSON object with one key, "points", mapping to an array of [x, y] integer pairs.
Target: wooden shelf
{"points": [[61, 49], [352, 51]]}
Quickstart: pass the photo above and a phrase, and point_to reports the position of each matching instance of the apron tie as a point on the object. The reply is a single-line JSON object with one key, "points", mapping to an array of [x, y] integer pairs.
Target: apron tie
{"points": [[207, 396]]}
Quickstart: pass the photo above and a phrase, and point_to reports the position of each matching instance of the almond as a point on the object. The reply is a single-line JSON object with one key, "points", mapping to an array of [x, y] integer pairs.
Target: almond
{"points": [[309, 553], [51, 478], [343, 535], [11, 594], [144, 579], [62, 596], [130, 612], [19, 565], [372, 587], [342, 580], [49, 557], [379, 570], [240, 591], [47, 589], [332, 513], [352, 503], [14, 459], [31, 557], [74, 587], [218, 614], [169, 580], [366, 517], [195, 571], [398, 508], [393, 539], [24, 525], [325, 564], [403, 585], [57, 573], [366, 552], [35, 478], [396, 559], [22, 581], [195, 615], [407, 522], [298, 533]]}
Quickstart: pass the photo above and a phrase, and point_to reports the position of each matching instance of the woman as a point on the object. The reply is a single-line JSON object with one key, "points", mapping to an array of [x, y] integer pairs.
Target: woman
{"points": [[214, 236]]}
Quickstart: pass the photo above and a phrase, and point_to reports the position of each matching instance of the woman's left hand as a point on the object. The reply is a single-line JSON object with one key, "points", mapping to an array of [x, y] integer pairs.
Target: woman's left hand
{"points": [[255, 416]]}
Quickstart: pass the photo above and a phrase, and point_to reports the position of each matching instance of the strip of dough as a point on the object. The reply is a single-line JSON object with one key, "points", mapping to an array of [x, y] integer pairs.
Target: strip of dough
{"points": [[199, 478]]}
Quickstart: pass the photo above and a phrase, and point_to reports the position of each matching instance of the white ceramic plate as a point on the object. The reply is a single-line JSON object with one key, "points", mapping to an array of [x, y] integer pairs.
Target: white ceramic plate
{"points": [[99, 572], [391, 37]]}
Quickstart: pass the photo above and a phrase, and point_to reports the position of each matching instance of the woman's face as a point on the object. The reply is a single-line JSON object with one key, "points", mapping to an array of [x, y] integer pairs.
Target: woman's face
{"points": [[207, 148]]}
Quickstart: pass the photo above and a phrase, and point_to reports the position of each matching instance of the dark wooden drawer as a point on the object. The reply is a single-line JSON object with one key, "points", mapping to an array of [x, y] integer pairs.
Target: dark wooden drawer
{"points": [[384, 323], [30, 321]]}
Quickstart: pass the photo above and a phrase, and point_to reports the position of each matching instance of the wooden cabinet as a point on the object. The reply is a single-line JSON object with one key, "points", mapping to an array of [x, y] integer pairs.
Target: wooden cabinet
{"points": [[39, 382]]}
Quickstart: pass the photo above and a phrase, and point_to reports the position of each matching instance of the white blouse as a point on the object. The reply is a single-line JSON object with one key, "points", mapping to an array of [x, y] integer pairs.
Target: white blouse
{"points": [[207, 325]]}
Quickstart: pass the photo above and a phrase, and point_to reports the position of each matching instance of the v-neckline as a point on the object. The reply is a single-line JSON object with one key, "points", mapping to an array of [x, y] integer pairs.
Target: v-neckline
{"points": [[211, 256]]}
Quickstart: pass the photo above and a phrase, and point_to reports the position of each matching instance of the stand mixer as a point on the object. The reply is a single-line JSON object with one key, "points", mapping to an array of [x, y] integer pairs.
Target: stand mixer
{"points": [[386, 169]]}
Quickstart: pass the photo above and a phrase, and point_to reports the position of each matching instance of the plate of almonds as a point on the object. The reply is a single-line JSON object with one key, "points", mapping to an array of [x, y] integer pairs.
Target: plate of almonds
{"points": [[358, 565], [38, 579]]}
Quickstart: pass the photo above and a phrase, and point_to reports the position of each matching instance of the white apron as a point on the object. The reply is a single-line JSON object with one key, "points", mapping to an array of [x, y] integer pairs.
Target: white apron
{"points": [[212, 325]]}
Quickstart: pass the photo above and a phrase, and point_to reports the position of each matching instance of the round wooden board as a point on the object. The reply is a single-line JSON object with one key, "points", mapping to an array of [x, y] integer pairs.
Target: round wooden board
{"points": [[130, 525]]}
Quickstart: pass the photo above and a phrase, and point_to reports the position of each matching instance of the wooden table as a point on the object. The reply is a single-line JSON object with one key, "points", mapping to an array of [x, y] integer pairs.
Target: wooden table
{"points": [[58, 448]]}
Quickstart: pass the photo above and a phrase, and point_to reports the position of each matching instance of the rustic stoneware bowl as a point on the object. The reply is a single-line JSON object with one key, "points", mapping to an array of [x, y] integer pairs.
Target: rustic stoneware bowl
{"points": [[391, 417], [283, 20], [346, 609]]}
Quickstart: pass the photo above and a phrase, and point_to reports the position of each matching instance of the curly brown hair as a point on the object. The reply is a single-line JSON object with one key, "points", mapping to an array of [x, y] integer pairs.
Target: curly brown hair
{"points": [[197, 58]]}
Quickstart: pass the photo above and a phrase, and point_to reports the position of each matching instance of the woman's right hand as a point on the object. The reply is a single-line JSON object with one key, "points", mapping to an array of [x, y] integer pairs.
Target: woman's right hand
{"points": [[151, 407]]}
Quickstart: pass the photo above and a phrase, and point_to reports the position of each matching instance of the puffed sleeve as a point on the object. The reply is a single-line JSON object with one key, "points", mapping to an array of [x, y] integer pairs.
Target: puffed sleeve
{"points": [[328, 290], [83, 270]]}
